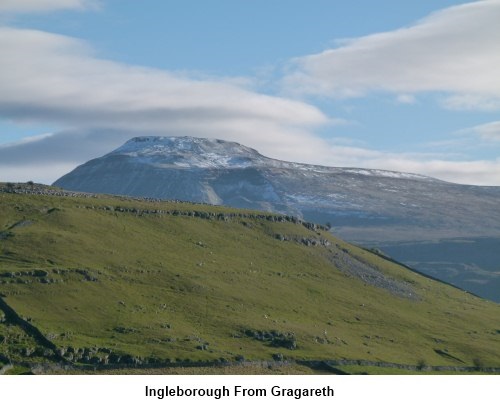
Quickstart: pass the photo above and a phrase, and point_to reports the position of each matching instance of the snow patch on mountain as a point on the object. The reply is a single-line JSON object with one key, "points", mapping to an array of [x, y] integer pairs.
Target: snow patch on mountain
{"points": [[189, 152]]}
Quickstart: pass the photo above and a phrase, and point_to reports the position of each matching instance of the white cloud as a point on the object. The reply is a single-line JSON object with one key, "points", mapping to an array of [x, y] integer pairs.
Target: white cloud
{"points": [[463, 171], [489, 131], [406, 99], [56, 79], [25, 6], [476, 172], [454, 51], [471, 102], [45, 174]]}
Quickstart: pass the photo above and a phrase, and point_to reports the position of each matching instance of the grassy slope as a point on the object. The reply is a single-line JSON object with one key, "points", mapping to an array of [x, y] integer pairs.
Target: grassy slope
{"points": [[168, 284]]}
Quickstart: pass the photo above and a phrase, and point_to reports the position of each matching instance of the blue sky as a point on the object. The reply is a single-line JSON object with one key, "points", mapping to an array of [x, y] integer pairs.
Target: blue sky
{"points": [[407, 86]]}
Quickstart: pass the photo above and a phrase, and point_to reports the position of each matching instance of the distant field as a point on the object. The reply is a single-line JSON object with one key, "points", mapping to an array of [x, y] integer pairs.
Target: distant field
{"points": [[470, 263]]}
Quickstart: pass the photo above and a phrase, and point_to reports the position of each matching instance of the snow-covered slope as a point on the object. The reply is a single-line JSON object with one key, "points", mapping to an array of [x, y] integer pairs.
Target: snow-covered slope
{"points": [[190, 152]]}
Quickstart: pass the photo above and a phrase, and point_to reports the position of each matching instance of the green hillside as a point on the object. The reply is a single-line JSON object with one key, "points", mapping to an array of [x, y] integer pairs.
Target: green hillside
{"points": [[110, 281]]}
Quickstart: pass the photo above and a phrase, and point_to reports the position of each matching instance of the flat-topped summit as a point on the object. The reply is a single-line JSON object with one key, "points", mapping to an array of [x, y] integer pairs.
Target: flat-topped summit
{"points": [[187, 151], [191, 152]]}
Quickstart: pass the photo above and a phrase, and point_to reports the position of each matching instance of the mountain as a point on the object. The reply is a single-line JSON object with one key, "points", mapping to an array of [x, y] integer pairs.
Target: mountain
{"points": [[375, 208], [96, 283]]}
